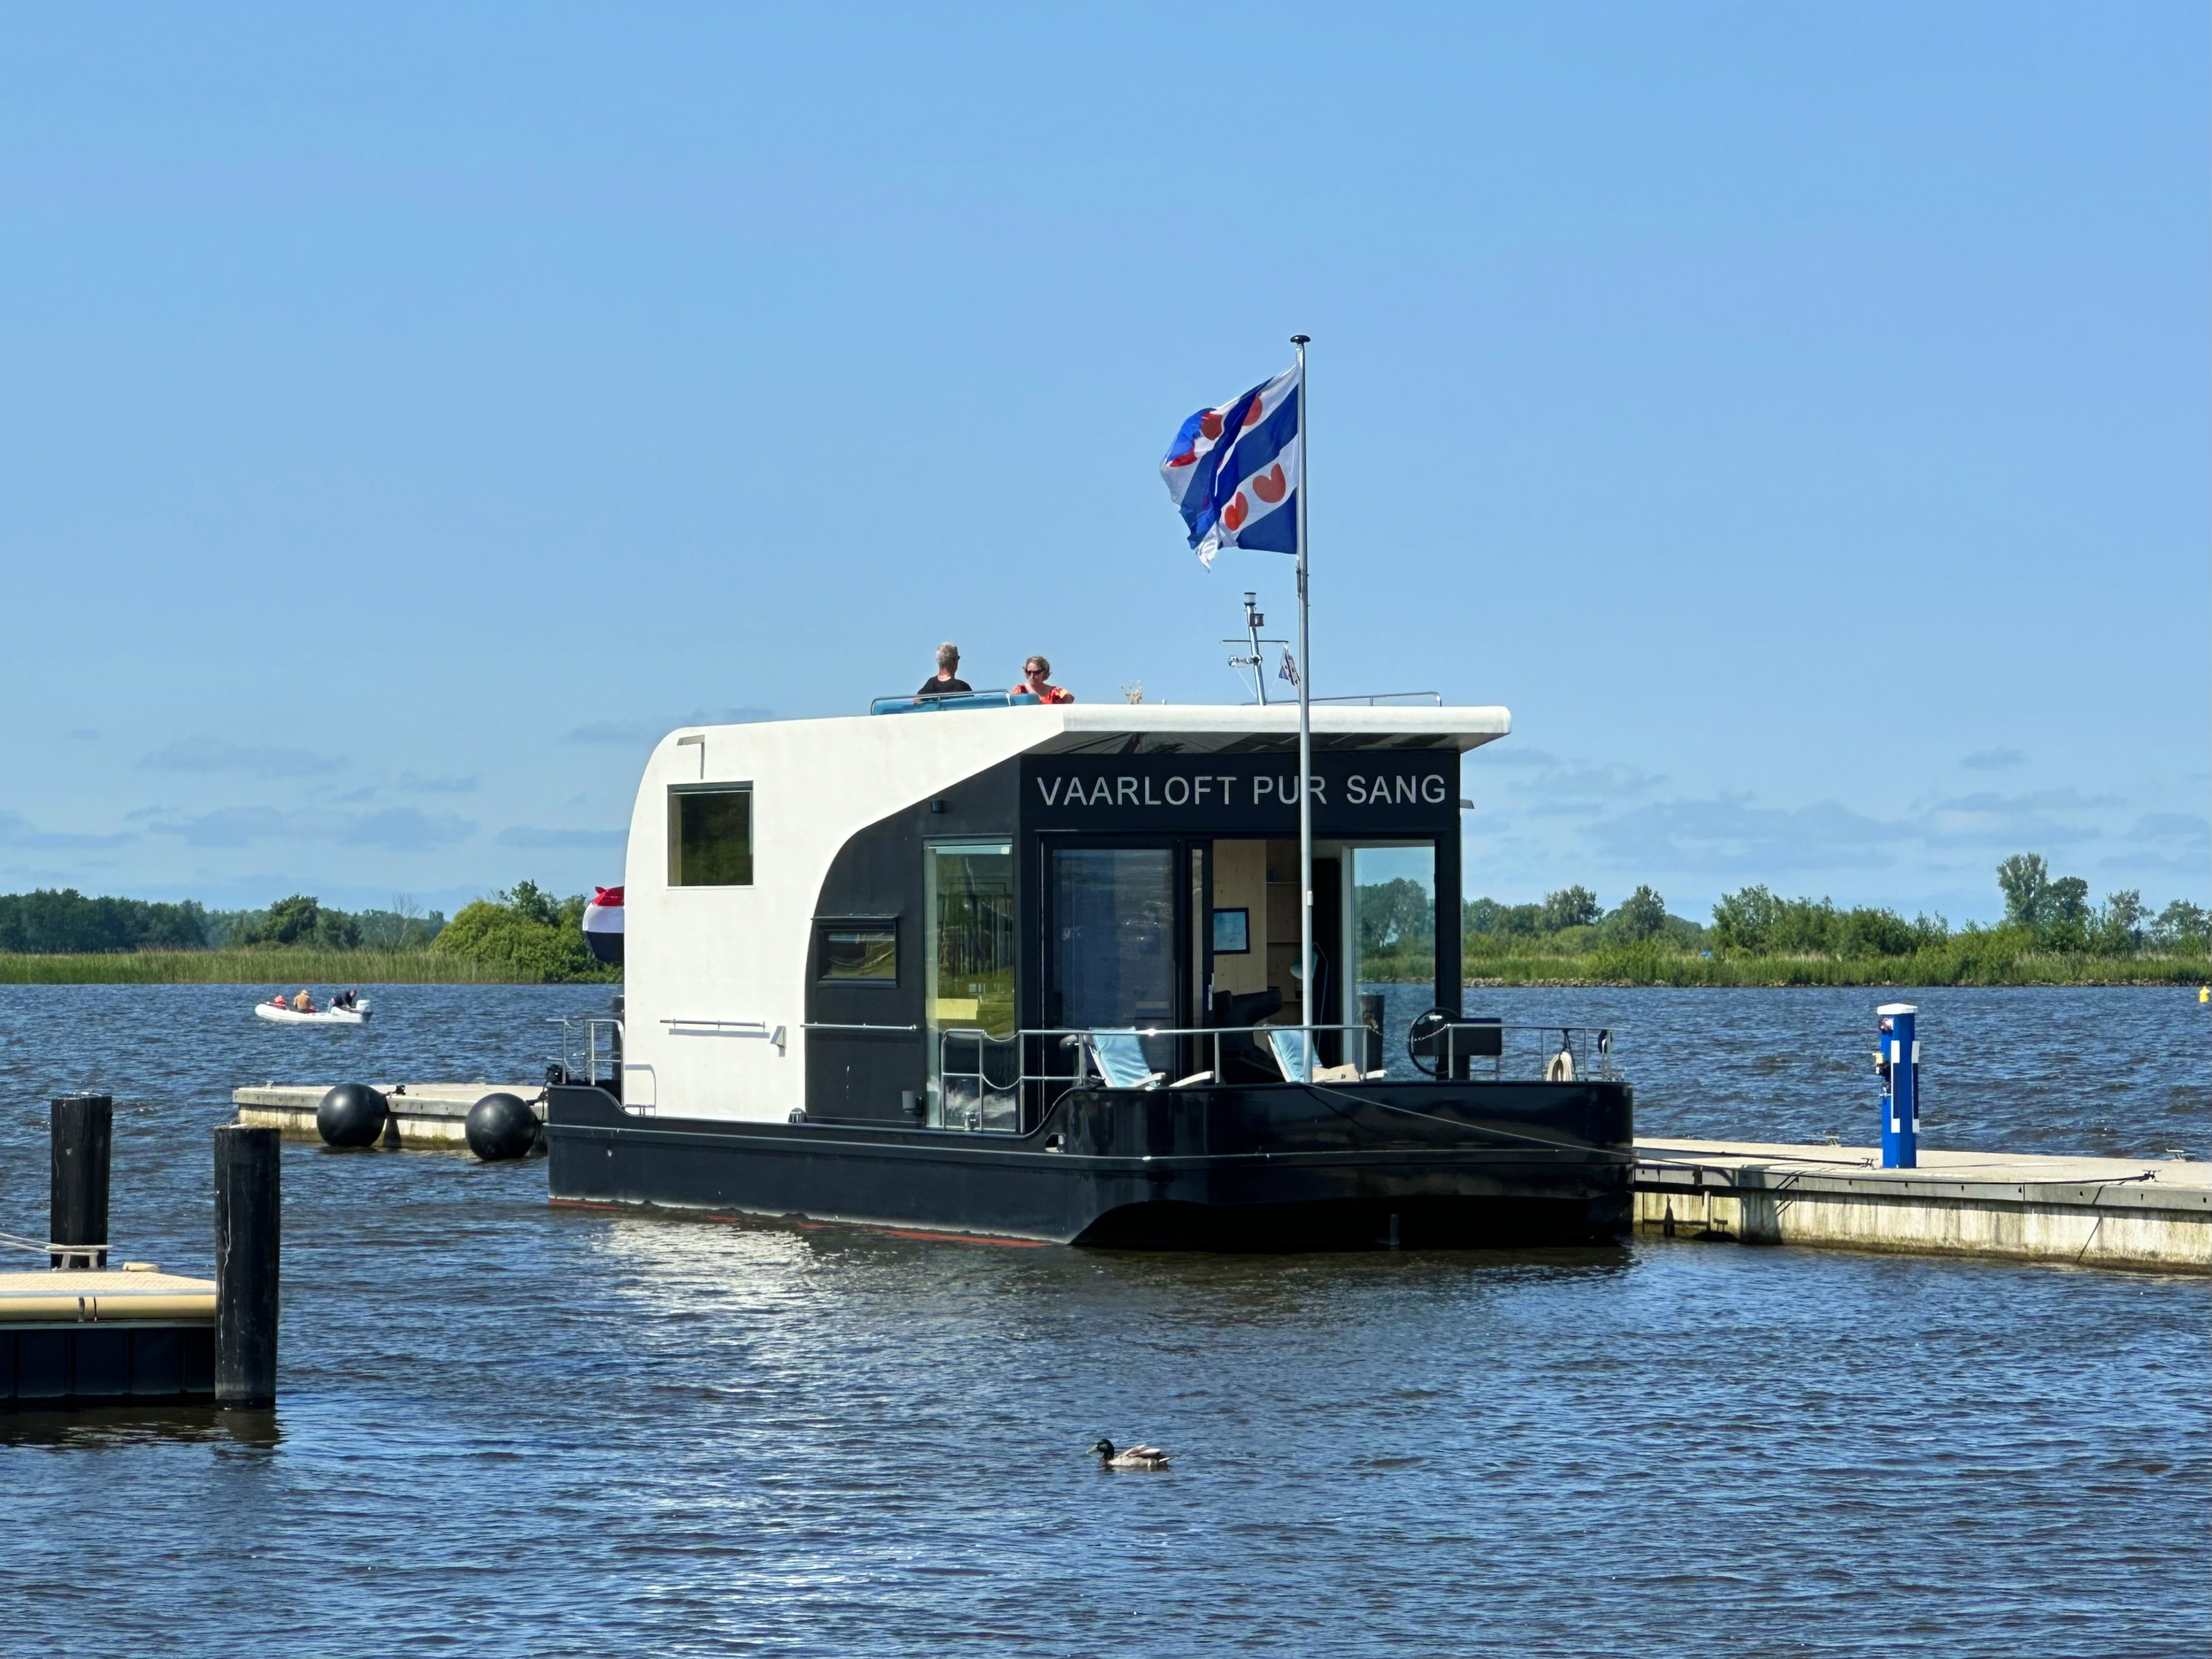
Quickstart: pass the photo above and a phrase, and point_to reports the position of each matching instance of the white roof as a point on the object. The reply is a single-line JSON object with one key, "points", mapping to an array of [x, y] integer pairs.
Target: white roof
{"points": [[1060, 728], [1202, 726]]}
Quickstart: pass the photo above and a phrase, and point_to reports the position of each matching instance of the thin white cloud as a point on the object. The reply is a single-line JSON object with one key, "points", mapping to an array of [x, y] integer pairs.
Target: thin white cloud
{"points": [[1993, 759], [642, 732], [399, 829], [16, 831], [2174, 826], [1730, 833], [214, 754], [226, 827], [530, 836], [2044, 819], [405, 829]]}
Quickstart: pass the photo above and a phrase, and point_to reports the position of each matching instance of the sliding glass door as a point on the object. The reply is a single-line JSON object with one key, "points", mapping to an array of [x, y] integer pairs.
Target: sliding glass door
{"points": [[969, 953], [1114, 961]]}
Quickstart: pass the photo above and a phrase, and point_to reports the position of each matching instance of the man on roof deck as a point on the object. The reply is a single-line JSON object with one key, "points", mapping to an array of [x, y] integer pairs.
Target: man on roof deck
{"points": [[1036, 684], [946, 682]]}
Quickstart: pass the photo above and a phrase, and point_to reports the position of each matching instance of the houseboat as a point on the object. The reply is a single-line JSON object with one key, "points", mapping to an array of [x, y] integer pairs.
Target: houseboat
{"points": [[981, 965]]}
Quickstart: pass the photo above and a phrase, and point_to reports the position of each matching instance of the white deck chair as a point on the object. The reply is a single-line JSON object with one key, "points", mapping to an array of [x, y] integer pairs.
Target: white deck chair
{"points": [[1288, 1046], [1120, 1059]]}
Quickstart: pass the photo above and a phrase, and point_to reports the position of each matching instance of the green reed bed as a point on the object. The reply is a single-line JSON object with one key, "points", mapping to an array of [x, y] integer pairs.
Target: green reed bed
{"points": [[258, 967], [1964, 960]]}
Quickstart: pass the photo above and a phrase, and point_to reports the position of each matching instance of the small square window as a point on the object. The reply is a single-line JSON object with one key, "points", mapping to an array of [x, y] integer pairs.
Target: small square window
{"points": [[1233, 933], [857, 953], [710, 835]]}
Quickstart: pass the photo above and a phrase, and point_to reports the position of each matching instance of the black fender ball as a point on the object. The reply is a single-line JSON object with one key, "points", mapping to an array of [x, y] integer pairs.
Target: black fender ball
{"points": [[502, 1126], [351, 1114]]}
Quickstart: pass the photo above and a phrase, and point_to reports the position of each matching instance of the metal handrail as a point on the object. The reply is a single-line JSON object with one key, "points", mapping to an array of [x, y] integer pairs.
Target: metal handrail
{"points": [[1371, 698], [1589, 1049], [591, 1022], [986, 1086], [950, 702]]}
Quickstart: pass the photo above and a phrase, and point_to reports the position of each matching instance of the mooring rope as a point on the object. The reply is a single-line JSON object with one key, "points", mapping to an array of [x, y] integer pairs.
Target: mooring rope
{"points": [[16, 1241]]}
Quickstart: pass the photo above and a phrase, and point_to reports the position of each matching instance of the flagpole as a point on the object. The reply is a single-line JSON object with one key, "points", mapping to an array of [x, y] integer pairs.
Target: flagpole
{"points": [[1305, 743]]}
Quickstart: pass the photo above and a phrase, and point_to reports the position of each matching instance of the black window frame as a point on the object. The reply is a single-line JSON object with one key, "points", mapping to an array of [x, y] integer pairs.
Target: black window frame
{"points": [[825, 926], [675, 837]]}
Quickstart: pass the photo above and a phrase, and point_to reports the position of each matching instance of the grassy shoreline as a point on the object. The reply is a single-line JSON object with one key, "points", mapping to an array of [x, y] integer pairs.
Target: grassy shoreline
{"points": [[1628, 966], [255, 966], [1633, 965]]}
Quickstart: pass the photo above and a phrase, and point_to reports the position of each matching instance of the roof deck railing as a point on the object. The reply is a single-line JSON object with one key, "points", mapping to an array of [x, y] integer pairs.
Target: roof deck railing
{"points": [[954, 703], [1433, 699], [951, 702], [1005, 1082]]}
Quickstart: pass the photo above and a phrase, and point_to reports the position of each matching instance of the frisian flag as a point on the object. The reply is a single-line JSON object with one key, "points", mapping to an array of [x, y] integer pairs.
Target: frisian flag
{"points": [[1233, 471]]}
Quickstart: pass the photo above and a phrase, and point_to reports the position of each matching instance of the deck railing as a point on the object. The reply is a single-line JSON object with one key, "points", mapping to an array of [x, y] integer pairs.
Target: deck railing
{"points": [[1013, 1079], [591, 1048], [951, 702]]}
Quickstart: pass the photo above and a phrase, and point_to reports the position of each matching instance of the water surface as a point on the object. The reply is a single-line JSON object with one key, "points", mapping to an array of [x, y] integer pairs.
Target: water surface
{"points": [[508, 1430]]}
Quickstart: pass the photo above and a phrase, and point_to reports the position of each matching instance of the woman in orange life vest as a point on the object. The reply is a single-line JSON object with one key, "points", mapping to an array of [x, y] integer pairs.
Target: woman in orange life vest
{"points": [[1035, 683]]}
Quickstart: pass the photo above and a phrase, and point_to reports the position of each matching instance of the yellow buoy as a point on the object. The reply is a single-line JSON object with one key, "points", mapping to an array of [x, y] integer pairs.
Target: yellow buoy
{"points": [[2204, 994]]}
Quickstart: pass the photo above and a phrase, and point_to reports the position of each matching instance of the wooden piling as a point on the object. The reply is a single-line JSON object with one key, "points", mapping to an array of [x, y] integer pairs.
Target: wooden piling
{"points": [[83, 1138], [248, 1215]]}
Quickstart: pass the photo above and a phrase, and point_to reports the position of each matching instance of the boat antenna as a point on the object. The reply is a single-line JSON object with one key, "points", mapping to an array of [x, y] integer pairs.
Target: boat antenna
{"points": [[1253, 623]]}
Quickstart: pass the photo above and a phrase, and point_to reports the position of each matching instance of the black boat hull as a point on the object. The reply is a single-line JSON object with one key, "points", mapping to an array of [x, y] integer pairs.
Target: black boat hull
{"points": [[1276, 1167]]}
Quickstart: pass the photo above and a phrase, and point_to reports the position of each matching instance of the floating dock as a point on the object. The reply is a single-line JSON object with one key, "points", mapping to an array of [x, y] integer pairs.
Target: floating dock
{"points": [[134, 1335], [2149, 1213], [426, 1115], [2146, 1213]]}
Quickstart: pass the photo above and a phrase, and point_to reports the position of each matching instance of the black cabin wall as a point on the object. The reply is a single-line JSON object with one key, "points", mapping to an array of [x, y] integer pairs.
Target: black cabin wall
{"points": [[877, 875]]}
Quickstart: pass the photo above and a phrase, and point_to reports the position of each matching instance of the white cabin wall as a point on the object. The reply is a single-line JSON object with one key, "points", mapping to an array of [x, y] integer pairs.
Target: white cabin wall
{"points": [[740, 954]]}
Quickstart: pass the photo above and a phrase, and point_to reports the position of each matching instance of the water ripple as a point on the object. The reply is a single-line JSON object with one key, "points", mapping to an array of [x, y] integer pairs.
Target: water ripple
{"points": [[511, 1430]]}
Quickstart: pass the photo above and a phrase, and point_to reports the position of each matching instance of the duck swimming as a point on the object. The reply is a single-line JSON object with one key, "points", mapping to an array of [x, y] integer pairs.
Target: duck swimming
{"points": [[1135, 1457]]}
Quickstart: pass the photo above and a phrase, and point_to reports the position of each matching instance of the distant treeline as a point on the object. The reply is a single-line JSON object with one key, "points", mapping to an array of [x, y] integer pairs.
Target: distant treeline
{"points": [[1395, 919], [63, 922], [527, 933], [50, 923], [2052, 932], [524, 934]]}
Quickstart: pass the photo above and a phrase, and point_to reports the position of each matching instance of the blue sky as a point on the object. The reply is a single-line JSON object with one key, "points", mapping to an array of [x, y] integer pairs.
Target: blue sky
{"points": [[1796, 415]]}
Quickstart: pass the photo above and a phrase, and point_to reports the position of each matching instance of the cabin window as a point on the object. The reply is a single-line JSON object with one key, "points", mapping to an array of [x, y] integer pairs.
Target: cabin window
{"points": [[970, 895], [710, 835], [857, 953], [968, 948], [1393, 917]]}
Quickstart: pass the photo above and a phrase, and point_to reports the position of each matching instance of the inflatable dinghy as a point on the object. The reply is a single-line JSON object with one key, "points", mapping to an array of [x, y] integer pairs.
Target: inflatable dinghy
{"points": [[358, 1015]]}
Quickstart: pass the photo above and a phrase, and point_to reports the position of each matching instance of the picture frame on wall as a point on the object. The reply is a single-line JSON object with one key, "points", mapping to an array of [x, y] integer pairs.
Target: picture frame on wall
{"points": [[1233, 933]]}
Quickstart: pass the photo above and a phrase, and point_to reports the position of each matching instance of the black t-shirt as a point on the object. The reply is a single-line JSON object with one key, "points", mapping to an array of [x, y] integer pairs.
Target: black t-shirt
{"points": [[935, 688]]}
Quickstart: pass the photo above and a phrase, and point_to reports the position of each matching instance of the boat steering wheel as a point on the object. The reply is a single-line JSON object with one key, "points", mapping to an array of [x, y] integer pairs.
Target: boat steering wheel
{"points": [[1425, 1042]]}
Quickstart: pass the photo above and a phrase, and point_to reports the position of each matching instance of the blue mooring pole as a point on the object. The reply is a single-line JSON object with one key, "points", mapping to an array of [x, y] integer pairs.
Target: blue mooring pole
{"points": [[1898, 1060]]}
